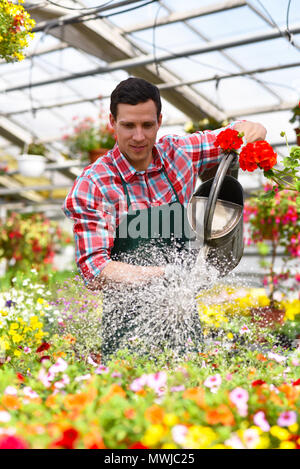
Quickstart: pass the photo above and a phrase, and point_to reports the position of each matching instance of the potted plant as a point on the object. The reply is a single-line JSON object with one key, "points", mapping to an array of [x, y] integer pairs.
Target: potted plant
{"points": [[15, 29], [274, 226], [90, 138], [32, 162], [295, 119], [30, 241]]}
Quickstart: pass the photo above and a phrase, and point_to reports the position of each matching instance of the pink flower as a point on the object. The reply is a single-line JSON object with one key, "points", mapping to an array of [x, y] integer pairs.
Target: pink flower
{"points": [[102, 370], [11, 390], [29, 392], [278, 358], [239, 396], [287, 418], [244, 329], [157, 381], [213, 382], [60, 365], [260, 420]]}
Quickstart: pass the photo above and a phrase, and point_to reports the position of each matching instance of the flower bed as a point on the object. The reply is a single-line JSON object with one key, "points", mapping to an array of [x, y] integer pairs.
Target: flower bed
{"points": [[54, 392]]}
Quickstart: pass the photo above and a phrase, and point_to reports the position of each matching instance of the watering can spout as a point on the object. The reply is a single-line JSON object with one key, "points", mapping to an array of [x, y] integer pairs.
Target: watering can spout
{"points": [[215, 214]]}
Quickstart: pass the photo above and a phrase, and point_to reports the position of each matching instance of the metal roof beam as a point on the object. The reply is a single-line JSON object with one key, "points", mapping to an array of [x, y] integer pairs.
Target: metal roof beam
{"points": [[164, 86], [195, 13], [12, 132], [130, 64]]}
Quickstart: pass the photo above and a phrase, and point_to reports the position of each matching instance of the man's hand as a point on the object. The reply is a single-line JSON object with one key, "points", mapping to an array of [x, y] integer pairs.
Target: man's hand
{"points": [[252, 131]]}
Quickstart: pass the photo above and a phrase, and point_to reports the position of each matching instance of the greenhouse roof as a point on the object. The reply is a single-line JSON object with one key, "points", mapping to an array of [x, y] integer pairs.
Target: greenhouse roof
{"points": [[234, 59]]}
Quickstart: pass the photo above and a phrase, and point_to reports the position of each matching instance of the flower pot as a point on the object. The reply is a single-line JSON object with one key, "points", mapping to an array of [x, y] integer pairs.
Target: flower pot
{"points": [[95, 154], [31, 165], [268, 316], [298, 136]]}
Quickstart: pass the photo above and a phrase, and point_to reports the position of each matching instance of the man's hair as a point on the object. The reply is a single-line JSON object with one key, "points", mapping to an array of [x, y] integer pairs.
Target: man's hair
{"points": [[134, 91]]}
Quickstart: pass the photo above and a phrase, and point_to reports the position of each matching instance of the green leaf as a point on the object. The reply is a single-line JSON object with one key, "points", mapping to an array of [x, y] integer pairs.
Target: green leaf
{"points": [[263, 249]]}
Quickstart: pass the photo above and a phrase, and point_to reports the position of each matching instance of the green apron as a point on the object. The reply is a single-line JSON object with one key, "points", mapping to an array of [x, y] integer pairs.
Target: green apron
{"points": [[149, 243]]}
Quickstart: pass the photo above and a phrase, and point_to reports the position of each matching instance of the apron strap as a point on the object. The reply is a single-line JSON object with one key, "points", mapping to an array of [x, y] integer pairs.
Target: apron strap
{"points": [[124, 184]]}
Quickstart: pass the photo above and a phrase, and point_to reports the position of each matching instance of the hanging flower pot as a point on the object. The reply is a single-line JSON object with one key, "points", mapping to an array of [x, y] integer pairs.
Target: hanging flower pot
{"points": [[31, 165], [95, 154], [15, 30]]}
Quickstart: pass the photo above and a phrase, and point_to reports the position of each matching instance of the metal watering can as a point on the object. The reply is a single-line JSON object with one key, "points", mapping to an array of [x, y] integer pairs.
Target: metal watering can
{"points": [[215, 214]]}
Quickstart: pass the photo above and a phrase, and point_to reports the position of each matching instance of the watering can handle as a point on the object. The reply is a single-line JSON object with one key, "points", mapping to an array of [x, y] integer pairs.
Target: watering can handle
{"points": [[214, 192]]}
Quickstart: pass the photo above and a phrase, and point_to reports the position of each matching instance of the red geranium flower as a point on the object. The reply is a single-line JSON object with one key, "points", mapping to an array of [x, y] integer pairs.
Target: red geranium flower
{"points": [[296, 383], [258, 382], [20, 377], [138, 445], [257, 154], [44, 346], [68, 439], [45, 357], [12, 442], [228, 140]]}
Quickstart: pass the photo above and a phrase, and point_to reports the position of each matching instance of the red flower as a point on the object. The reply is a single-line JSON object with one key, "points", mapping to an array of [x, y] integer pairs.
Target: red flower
{"points": [[12, 442], [138, 445], [68, 439], [44, 346], [257, 154], [296, 383], [20, 377], [258, 382], [45, 357], [229, 140]]}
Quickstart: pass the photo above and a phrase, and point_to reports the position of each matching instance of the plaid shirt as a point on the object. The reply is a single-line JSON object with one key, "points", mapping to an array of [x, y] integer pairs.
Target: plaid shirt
{"points": [[96, 202]]}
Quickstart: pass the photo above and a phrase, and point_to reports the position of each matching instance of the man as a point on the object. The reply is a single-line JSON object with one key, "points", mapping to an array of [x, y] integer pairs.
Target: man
{"points": [[123, 191]]}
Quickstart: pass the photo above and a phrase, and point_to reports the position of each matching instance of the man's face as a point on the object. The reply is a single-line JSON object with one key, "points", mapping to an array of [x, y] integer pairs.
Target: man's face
{"points": [[136, 128]]}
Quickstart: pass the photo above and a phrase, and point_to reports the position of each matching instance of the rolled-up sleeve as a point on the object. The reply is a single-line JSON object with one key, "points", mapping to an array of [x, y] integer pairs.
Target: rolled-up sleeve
{"points": [[94, 227]]}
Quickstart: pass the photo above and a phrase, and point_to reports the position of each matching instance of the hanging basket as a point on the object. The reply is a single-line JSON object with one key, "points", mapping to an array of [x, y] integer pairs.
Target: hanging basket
{"points": [[95, 154], [31, 165]]}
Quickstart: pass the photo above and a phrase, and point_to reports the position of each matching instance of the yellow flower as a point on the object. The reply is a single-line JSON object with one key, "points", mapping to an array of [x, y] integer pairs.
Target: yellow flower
{"points": [[199, 437], [293, 428], [14, 325], [170, 420], [279, 432], [16, 338], [40, 300], [219, 446], [230, 336], [169, 446], [4, 313], [17, 353], [153, 435], [287, 445]]}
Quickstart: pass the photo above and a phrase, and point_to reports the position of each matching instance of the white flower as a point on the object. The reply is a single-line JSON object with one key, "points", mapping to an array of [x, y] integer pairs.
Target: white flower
{"points": [[4, 416], [11, 391], [179, 433]]}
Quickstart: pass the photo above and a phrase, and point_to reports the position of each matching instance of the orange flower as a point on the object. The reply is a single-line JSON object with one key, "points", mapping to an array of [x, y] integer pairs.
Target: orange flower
{"points": [[10, 402], [154, 414], [76, 401], [114, 390], [70, 338], [197, 395], [129, 413], [290, 392], [93, 440], [261, 357], [221, 415], [51, 400]]}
